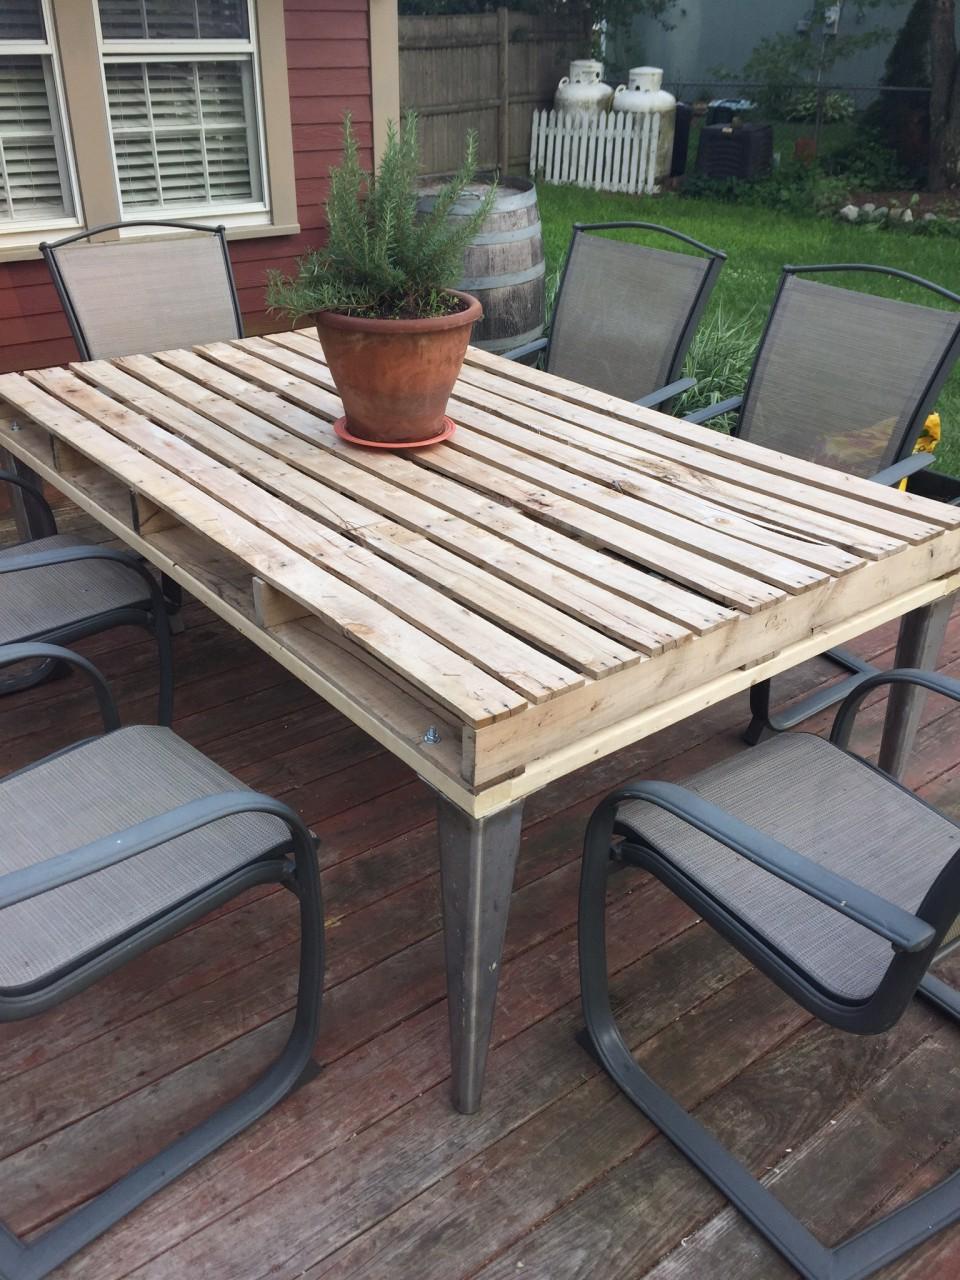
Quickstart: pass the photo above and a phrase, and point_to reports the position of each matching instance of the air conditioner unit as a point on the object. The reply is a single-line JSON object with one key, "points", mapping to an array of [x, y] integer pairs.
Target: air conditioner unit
{"points": [[735, 151]]}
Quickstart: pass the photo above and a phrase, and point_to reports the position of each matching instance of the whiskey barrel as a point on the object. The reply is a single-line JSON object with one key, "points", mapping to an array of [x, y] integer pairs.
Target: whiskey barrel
{"points": [[503, 264]]}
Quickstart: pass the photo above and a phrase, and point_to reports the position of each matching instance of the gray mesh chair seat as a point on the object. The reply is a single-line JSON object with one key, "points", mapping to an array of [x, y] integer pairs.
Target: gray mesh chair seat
{"points": [[97, 788], [61, 588], [836, 810], [108, 848], [625, 313], [36, 601], [837, 883]]}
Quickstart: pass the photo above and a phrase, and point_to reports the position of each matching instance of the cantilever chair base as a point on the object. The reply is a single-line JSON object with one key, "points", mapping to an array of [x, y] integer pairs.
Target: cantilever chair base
{"points": [[716, 843], [764, 721], [161, 837]]}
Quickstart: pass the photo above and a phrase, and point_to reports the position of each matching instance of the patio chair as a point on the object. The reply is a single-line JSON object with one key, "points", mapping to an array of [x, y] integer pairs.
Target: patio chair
{"points": [[59, 588], [625, 313], [846, 379], [131, 297], [836, 882], [108, 849]]}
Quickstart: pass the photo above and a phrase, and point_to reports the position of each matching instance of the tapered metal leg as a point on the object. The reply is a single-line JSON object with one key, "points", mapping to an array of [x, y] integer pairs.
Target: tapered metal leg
{"points": [[477, 861], [921, 636]]}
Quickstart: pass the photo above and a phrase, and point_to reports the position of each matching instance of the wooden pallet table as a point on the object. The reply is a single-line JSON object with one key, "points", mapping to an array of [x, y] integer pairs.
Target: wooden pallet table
{"points": [[565, 575]]}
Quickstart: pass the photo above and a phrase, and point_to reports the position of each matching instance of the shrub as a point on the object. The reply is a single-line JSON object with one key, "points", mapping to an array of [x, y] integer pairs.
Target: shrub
{"points": [[381, 259], [719, 358], [837, 107]]}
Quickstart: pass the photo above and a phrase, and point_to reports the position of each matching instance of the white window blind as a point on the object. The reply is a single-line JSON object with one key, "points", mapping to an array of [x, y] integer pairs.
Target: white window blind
{"points": [[182, 101], [34, 186]]}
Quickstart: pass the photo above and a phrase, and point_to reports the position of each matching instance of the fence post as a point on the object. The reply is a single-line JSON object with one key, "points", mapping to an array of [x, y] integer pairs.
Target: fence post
{"points": [[503, 67]]}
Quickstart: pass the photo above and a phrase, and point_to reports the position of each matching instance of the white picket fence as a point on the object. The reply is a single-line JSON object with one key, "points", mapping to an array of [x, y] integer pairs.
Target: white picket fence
{"points": [[608, 151]]}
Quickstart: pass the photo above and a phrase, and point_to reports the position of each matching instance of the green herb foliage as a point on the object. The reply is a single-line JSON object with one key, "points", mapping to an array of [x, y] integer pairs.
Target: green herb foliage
{"points": [[382, 259]]}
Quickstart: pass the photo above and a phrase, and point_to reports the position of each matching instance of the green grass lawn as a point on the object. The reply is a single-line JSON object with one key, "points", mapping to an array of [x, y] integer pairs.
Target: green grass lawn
{"points": [[758, 242]]}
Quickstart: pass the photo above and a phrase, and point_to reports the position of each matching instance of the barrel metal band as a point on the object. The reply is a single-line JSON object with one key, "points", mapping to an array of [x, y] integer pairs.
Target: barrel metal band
{"points": [[500, 282]]}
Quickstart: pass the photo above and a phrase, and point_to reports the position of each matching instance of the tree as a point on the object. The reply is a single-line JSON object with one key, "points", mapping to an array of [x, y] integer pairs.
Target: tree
{"points": [[944, 96]]}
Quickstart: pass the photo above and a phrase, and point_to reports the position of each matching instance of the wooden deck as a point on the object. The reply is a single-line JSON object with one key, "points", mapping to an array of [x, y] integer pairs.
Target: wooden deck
{"points": [[365, 1173]]}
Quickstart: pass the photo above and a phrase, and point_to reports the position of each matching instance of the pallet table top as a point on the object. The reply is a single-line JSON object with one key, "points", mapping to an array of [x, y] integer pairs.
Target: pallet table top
{"points": [[563, 576]]}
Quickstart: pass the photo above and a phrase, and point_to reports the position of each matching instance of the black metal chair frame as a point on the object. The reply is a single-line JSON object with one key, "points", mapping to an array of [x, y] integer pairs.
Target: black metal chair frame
{"points": [[914, 938], [291, 864], [49, 250], [675, 385], [149, 613], [764, 720]]}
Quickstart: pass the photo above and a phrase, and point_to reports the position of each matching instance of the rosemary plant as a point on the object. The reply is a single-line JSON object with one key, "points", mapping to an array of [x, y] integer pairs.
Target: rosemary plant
{"points": [[382, 259]]}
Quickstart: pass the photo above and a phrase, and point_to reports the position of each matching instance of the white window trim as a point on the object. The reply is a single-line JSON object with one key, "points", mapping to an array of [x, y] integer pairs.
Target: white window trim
{"points": [[149, 50], [23, 232]]}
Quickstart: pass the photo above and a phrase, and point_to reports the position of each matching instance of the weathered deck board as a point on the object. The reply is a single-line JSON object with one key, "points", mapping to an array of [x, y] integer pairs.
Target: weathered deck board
{"points": [[365, 1173]]}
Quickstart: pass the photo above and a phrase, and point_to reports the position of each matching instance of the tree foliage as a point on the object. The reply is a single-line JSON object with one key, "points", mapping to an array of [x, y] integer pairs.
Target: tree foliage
{"points": [[382, 258], [781, 63]]}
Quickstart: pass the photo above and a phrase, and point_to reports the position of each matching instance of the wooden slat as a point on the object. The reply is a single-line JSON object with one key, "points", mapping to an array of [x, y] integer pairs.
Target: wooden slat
{"points": [[442, 531], [528, 404], [519, 665], [459, 685], [675, 603], [575, 396], [532, 619], [597, 451]]}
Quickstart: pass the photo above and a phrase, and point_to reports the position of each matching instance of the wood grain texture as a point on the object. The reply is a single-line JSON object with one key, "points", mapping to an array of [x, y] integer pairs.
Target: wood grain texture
{"points": [[555, 582]]}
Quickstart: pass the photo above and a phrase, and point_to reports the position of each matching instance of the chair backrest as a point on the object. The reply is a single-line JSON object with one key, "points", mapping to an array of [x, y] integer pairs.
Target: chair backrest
{"points": [[130, 297], [625, 313], [847, 378]]}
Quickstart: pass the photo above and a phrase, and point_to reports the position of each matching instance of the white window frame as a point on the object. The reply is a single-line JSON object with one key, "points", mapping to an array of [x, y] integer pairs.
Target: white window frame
{"points": [[151, 51], [21, 231]]}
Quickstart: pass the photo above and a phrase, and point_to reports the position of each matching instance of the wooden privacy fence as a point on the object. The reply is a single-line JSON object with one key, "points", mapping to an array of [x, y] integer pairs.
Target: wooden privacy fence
{"points": [[486, 72], [608, 151]]}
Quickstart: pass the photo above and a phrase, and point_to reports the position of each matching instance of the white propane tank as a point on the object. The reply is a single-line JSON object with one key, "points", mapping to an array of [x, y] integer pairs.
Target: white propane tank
{"points": [[644, 96], [583, 90]]}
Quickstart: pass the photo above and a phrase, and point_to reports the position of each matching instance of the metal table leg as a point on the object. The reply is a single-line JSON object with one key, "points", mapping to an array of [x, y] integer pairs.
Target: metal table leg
{"points": [[921, 636], [477, 862]]}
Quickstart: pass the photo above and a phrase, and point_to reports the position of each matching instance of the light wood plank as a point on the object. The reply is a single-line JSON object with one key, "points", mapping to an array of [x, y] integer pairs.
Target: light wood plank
{"points": [[496, 651], [540, 623], [677, 531], [781, 464], [460, 686], [673, 602], [295, 469], [806, 484], [814, 538]]}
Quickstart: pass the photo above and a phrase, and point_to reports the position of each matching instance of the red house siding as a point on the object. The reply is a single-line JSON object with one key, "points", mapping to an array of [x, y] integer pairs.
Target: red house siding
{"points": [[328, 59]]}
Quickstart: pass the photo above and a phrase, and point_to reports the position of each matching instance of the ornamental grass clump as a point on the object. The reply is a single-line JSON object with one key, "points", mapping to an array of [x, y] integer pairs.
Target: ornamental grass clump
{"points": [[383, 259]]}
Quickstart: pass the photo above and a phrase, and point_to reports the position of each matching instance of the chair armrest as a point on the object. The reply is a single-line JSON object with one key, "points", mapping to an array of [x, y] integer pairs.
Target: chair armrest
{"points": [[886, 919], [63, 555], [527, 349], [36, 495], [666, 393], [10, 653], [714, 410], [109, 851], [907, 466], [849, 707]]}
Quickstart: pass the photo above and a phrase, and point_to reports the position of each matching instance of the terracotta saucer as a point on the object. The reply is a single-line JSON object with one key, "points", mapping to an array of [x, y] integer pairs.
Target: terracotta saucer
{"points": [[340, 427]]}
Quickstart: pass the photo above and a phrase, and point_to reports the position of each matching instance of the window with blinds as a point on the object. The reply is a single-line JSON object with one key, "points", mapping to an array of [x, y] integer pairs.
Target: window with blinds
{"points": [[182, 101], [34, 182]]}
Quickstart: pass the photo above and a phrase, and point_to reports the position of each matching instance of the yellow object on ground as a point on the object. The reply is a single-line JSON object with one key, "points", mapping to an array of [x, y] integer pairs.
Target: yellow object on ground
{"points": [[928, 439]]}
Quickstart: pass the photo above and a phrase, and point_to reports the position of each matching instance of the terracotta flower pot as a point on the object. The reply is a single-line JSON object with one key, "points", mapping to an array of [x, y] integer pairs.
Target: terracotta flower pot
{"points": [[395, 376]]}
